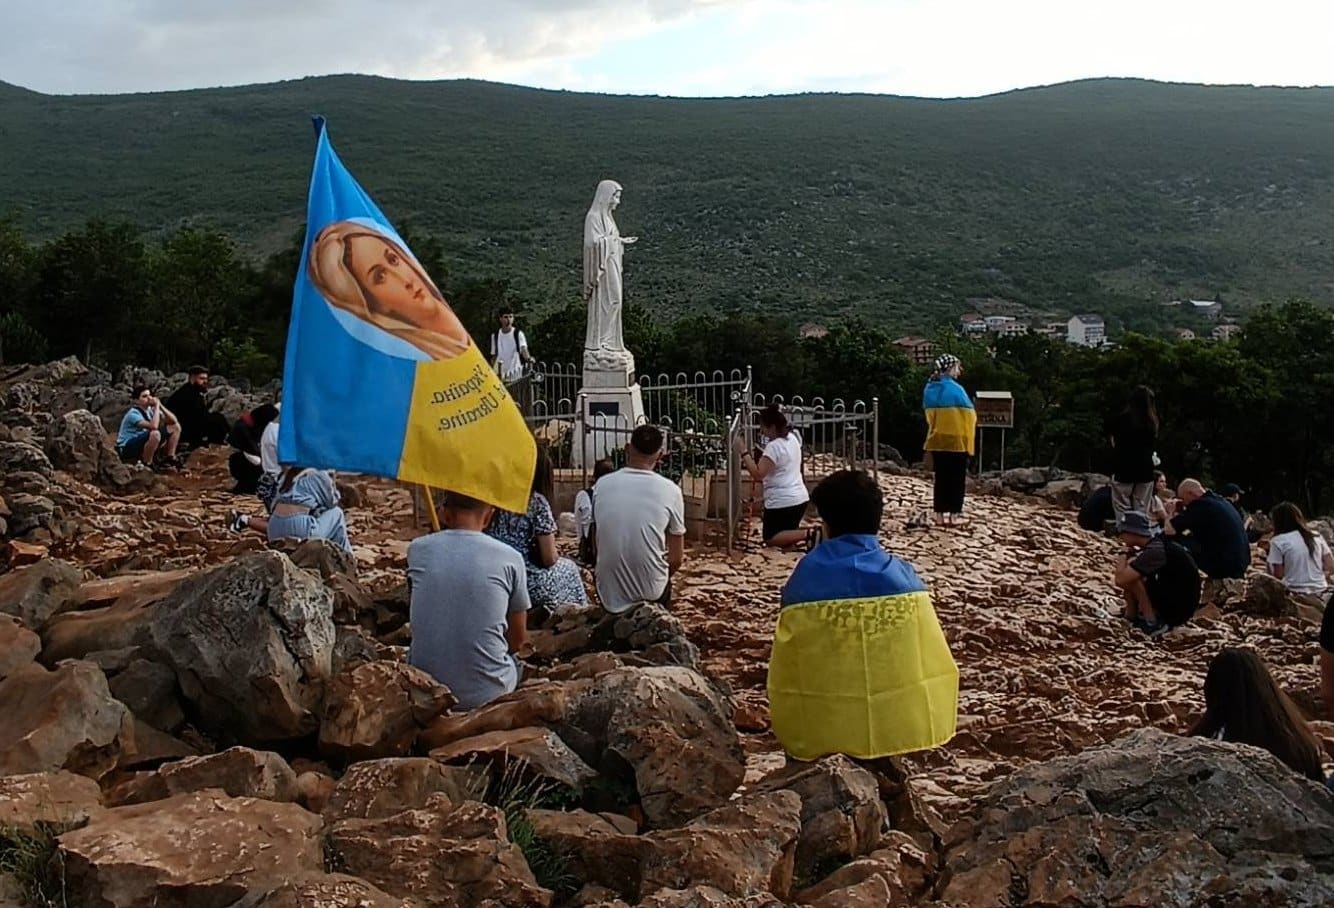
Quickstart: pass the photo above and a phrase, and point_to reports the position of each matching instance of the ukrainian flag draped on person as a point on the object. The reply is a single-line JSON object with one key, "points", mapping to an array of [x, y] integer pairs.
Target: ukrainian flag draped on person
{"points": [[860, 665], [380, 376], [951, 421]]}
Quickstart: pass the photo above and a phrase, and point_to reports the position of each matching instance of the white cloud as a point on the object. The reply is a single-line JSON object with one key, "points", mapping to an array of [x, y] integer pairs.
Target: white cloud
{"points": [[691, 47]]}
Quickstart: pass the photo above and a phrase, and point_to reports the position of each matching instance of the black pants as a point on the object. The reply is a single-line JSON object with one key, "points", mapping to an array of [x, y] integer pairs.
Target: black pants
{"points": [[951, 469], [244, 472]]}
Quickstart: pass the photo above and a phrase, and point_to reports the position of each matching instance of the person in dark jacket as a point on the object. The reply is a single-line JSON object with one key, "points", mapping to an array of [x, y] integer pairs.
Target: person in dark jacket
{"points": [[199, 427], [245, 462], [1211, 530], [1134, 436]]}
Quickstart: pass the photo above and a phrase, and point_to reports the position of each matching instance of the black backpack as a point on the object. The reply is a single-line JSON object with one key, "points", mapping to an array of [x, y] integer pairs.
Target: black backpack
{"points": [[1174, 589]]}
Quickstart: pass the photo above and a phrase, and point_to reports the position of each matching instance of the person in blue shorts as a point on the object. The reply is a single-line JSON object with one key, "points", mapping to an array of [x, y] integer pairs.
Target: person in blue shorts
{"points": [[148, 428]]}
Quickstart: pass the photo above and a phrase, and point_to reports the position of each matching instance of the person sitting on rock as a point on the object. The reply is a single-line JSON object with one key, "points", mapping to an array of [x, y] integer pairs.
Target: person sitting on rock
{"points": [[307, 508], [860, 665], [552, 580], [1211, 530], [1299, 556], [640, 535], [266, 487], [147, 429], [199, 427], [583, 513], [468, 604], [245, 463], [1242, 703], [1158, 578], [1232, 493]]}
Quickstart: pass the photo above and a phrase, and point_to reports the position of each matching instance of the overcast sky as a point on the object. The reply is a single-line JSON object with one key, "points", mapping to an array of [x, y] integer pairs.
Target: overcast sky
{"points": [[937, 48]]}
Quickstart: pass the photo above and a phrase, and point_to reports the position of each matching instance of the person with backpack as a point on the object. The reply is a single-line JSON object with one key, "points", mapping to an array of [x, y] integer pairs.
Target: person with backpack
{"points": [[584, 521], [1157, 576], [509, 357]]}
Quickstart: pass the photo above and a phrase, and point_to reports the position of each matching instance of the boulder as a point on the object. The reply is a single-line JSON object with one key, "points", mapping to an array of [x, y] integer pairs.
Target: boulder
{"points": [[196, 850], [21, 457], [251, 643], [60, 798], [439, 855], [841, 811], [377, 709], [62, 719], [324, 890], [1267, 597], [37, 593], [352, 603], [742, 850], [77, 443], [238, 771], [1151, 818], [539, 703], [18, 645], [1023, 479], [1064, 493], [664, 729], [149, 690], [898, 872], [373, 789], [314, 789], [530, 752], [114, 616]]}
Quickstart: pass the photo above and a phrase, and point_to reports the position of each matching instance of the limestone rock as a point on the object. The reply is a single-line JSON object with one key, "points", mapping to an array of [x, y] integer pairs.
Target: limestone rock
{"points": [[62, 719], [325, 890], [20, 457], [440, 855], [62, 798], [251, 643], [314, 789], [376, 709], [529, 751], [114, 614], [18, 645], [898, 872], [77, 443], [742, 850], [38, 592], [1267, 597], [1152, 818], [238, 771], [197, 850], [670, 728], [541, 703], [841, 811], [373, 789], [149, 690]]}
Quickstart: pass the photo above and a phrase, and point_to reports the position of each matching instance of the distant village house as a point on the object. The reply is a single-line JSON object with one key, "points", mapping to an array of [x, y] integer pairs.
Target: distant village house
{"points": [[919, 350], [1086, 330]]}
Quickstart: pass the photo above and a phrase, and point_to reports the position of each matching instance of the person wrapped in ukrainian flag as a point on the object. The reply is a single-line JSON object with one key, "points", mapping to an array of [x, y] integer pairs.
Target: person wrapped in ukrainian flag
{"points": [[860, 665]]}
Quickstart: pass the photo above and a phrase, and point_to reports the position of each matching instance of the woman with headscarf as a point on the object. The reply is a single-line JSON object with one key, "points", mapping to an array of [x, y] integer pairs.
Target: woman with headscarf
{"points": [[359, 270], [951, 424], [603, 248]]}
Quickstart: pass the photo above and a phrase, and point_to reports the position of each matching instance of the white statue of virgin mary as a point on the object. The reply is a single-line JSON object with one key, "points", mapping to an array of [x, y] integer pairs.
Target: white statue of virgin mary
{"points": [[603, 247]]}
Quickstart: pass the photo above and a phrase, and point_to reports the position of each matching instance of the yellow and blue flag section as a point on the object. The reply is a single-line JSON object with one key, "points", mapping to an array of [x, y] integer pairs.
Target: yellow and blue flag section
{"points": [[860, 665], [951, 421], [380, 376]]}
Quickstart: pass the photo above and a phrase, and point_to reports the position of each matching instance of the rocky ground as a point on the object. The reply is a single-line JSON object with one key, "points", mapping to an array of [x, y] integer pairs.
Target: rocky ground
{"points": [[207, 722]]}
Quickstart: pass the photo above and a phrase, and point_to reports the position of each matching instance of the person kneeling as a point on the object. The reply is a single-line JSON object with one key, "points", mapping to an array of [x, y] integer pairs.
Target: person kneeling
{"points": [[307, 508], [860, 665], [469, 604], [1158, 577]]}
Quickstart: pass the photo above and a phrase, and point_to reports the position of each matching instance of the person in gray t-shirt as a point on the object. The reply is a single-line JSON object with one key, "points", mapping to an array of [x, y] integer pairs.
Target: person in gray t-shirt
{"points": [[469, 605]]}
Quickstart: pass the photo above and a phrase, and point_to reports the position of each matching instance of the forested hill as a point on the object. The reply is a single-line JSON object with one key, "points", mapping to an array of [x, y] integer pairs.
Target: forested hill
{"points": [[1106, 195]]}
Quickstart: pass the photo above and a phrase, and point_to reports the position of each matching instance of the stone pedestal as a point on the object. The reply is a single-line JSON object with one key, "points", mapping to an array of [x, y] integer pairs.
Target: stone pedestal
{"points": [[610, 405]]}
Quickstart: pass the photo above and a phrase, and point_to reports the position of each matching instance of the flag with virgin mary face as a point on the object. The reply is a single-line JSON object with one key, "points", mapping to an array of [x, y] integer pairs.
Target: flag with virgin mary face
{"points": [[380, 376]]}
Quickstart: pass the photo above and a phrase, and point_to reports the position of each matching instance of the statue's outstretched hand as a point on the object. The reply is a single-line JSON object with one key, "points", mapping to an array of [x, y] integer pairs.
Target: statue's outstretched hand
{"points": [[629, 240]]}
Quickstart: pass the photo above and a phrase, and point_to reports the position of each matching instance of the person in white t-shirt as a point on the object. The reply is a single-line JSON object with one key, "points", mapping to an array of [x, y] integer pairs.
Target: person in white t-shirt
{"points": [[779, 469], [509, 349], [639, 529], [583, 513], [266, 489], [1298, 555]]}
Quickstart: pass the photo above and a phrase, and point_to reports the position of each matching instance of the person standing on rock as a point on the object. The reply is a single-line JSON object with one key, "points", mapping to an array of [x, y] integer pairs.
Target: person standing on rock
{"points": [[860, 665], [1243, 703], [951, 426], [148, 427], [1134, 437], [1157, 577], [640, 532], [469, 604]]}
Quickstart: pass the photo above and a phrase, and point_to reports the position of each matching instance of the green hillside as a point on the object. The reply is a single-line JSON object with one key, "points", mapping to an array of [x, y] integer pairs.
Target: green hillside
{"points": [[1107, 195]]}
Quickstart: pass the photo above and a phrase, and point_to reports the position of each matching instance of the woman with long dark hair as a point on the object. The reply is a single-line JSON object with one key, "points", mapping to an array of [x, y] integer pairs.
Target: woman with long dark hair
{"points": [[779, 469], [1298, 555], [1134, 436], [552, 580], [951, 427], [1242, 703], [307, 508]]}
